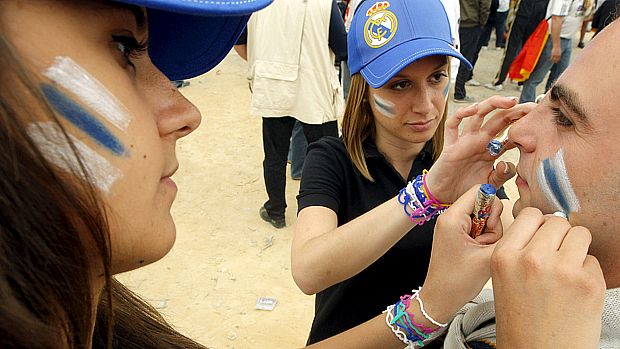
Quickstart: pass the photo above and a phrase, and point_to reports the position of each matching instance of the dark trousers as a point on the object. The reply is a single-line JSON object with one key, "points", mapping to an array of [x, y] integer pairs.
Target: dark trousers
{"points": [[521, 30], [469, 49], [499, 24], [276, 141]]}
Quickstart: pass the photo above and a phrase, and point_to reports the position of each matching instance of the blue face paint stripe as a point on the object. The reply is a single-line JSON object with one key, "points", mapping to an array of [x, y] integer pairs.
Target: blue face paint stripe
{"points": [[447, 89], [82, 119], [554, 185]]}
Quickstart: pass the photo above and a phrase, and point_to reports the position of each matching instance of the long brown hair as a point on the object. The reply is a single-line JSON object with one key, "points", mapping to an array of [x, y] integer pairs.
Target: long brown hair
{"points": [[358, 123], [51, 224]]}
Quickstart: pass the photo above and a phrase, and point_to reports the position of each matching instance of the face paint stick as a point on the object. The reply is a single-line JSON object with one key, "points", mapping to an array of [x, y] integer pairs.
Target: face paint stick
{"points": [[482, 209], [56, 149], [497, 144], [384, 106], [75, 79]]}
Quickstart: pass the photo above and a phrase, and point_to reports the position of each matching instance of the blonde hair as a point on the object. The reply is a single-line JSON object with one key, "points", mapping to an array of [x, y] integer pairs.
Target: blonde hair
{"points": [[358, 123]]}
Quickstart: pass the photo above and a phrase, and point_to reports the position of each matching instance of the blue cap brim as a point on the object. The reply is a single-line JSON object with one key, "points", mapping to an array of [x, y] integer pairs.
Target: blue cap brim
{"points": [[184, 46], [190, 37], [384, 67]]}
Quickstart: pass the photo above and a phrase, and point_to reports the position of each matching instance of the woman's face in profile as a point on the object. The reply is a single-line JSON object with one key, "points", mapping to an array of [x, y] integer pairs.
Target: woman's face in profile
{"points": [[122, 113]]}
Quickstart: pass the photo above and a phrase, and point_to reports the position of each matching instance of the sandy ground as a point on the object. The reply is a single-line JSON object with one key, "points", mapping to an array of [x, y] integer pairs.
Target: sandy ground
{"points": [[225, 256]]}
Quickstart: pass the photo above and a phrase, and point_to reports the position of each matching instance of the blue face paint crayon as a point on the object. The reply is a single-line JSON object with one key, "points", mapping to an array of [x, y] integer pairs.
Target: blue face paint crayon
{"points": [[482, 209], [497, 144], [82, 119]]}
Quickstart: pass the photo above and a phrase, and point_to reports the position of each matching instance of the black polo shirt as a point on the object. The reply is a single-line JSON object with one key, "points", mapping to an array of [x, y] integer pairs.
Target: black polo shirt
{"points": [[331, 180]]}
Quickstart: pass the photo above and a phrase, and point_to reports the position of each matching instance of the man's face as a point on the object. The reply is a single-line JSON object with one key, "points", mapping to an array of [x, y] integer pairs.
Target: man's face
{"points": [[570, 144]]}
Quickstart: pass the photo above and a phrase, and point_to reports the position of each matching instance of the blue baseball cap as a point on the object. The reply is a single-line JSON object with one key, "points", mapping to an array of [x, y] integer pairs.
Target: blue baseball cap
{"points": [[387, 36], [189, 37]]}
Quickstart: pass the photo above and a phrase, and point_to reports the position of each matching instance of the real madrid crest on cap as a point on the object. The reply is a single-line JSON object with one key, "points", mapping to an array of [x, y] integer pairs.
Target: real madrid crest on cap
{"points": [[381, 25]]}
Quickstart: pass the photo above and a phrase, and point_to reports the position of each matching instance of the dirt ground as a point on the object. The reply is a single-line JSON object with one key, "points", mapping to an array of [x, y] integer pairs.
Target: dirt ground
{"points": [[226, 257]]}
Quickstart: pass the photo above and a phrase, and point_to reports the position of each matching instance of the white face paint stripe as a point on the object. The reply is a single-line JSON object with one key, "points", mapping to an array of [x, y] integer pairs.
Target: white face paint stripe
{"points": [[384, 106], [54, 146], [555, 183], [70, 75]]}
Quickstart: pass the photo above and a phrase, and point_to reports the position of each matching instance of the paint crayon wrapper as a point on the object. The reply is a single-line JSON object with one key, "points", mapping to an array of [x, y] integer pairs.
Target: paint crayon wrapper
{"points": [[482, 211]]}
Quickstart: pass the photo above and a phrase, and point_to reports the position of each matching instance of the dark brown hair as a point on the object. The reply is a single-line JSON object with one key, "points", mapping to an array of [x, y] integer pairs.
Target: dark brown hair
{"points": [[51, 226]]}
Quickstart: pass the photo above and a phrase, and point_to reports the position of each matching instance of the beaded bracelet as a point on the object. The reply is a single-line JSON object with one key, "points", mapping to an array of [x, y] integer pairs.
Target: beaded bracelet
{"points": [[418, 202]]}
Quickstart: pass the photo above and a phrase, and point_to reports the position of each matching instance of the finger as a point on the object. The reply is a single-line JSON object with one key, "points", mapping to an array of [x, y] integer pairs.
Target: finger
{"points": [[451, 128], [550, 236], [575, 245], [502, 118], [490, 104], [501, 173], [521, 231], [494, 228], [592, 266]]}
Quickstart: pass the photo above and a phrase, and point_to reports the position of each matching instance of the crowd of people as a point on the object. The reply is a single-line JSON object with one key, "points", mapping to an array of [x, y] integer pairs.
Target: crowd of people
{"points": [[90, 121]]}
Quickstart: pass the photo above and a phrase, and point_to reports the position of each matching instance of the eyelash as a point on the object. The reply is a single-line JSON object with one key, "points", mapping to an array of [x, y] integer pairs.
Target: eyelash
{"points": [[130, 48], [560, 118], [436, 78]]}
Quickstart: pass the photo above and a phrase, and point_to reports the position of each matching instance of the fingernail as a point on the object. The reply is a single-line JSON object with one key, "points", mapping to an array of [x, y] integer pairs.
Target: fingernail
{"points": [[506, 168], [560, 214], [516, 99], [475, 105]]}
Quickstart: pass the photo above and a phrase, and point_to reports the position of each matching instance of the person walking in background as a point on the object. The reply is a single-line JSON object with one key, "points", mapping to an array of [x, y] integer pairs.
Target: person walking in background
{"points": [[604, 15], [528, 16], [497, 21], [556, 44], [291, 47], [579, 10], [474, 15]]}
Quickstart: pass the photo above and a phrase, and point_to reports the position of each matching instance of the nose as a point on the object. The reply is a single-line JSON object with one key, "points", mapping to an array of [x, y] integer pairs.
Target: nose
{"points": [[179, 117], [176, 116], [523, 132], [422, 100]]}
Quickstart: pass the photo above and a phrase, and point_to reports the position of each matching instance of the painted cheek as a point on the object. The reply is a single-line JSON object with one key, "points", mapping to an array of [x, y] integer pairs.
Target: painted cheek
{"points": [[446, 90], [555, 184], [83, 120], [75, 79], [56, 149], [384, 106]]}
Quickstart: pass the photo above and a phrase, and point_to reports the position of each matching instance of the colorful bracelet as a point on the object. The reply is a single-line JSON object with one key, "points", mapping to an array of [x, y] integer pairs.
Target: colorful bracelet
{"points": [[416, 296], [402, 323], [418, 202]]}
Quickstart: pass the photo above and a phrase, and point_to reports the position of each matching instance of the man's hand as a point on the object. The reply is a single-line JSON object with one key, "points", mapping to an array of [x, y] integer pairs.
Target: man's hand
{"points": [[549, 292], [556, 53]]}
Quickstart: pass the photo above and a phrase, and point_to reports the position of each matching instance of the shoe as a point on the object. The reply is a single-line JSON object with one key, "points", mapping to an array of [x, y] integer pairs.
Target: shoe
{"points": [[492, 86], [277, 223], [180, 83], [472, 82], [485, 47], [296, 178], [581, 44], [467, 99]]}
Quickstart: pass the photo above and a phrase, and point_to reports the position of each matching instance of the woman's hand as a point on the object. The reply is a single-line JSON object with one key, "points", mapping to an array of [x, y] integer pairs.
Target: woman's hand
{"points": [[460, 265], [465, 160], [547, 288]]}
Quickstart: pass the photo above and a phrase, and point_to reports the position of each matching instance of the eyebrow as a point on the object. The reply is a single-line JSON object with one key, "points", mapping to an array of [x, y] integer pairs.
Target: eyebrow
{"points": [[137, 12], [437, 67], [569, 98]]}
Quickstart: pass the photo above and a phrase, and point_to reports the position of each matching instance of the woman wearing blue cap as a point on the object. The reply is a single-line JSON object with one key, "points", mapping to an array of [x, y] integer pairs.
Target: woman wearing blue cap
{"points": [[89, 124], [88, 129], [366, 206]]}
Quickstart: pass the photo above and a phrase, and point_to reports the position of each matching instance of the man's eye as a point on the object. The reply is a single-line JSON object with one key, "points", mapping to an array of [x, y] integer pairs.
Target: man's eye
{"points": [[560, 118]]}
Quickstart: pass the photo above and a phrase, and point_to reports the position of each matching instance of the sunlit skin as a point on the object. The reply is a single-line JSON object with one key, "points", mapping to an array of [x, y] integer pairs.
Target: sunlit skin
{"points": [[103, 40], [417, 93], [584, 123]]}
